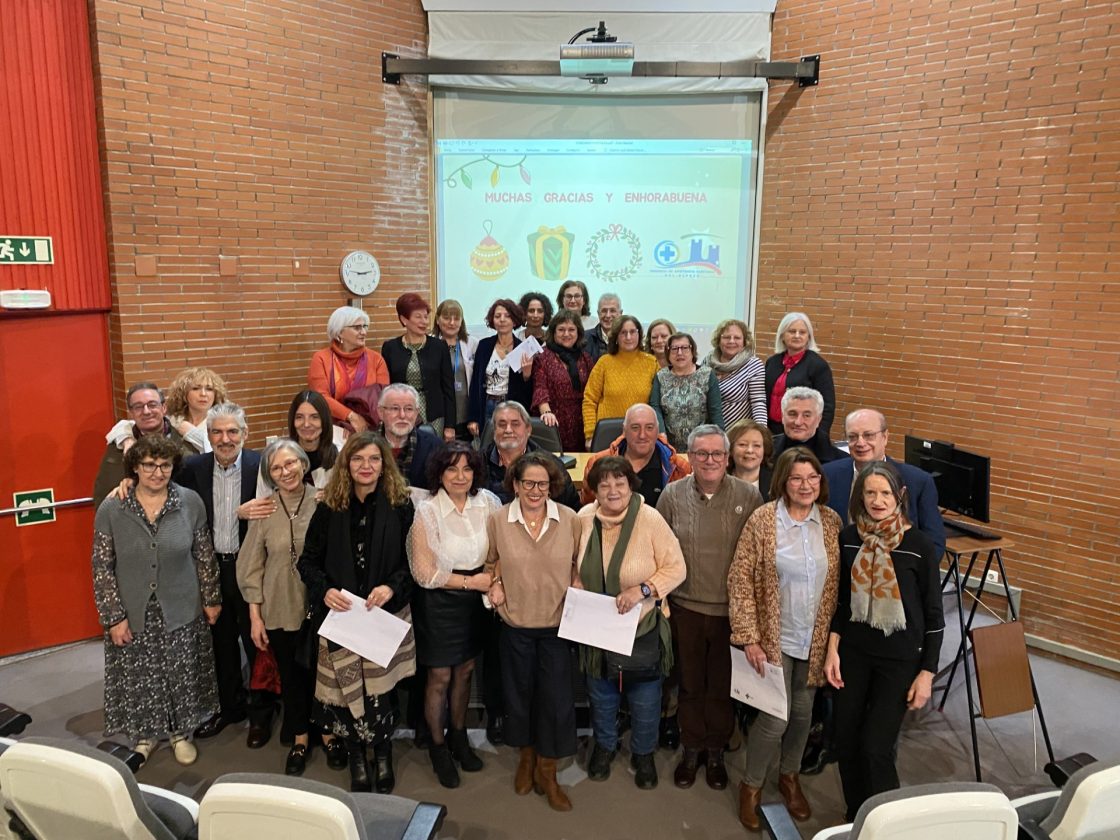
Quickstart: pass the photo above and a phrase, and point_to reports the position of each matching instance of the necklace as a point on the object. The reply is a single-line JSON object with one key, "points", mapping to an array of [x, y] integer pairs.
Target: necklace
{"points": [[302, 496]]}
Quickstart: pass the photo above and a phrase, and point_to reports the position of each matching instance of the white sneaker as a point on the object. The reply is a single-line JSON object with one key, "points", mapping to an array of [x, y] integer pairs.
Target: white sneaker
{"points": [[145, 747], [184, 751]]}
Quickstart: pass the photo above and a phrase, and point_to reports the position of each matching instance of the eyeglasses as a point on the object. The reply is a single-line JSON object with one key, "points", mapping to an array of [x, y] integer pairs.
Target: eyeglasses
{"points": [[358, 327], [802, 480], [399, 409], [573, 296], [136, 408], [359, 461], [151, 467], [287, 466], [534, 485], [705, 455], [684, 348], [627, 332], [866, 437]]}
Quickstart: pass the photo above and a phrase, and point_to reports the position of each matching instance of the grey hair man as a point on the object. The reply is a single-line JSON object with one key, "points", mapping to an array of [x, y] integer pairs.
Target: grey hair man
{"points": [[707, 511], [802, 410], [226, 480], [512, 439], [413, 445], [596, 338]]}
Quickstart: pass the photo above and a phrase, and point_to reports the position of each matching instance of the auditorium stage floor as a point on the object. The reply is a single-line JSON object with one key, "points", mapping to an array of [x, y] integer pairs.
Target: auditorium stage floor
{"points": [[62, 690]]}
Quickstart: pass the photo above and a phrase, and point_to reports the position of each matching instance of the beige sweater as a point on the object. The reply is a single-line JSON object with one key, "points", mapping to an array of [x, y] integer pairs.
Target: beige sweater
{"points": [[535, 575], [265, 573], [653, 555]]}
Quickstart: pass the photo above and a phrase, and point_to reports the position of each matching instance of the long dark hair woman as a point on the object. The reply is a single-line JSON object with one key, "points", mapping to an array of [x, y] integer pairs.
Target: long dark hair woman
{"points": [[492, 380], [886, 634], [448, 551], [559, 376], [356, 541], [309, 425]]}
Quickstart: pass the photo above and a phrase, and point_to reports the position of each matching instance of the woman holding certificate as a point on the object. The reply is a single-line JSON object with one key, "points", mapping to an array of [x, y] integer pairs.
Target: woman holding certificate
{"points": [[782, 593], [629, 552], [531, 556], [356, 542]]}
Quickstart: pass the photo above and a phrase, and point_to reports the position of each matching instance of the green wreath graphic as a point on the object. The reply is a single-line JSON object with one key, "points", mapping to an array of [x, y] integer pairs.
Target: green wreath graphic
{"points": [[607, 234]]}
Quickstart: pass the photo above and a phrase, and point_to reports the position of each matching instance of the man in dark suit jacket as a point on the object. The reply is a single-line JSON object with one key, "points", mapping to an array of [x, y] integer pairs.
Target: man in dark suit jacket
{"points": [[226, 479], [867, 435], [413, 445], [802, 410]]}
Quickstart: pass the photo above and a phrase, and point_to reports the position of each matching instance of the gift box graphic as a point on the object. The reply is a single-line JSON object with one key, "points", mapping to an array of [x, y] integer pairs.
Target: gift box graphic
{"points": [[550, 252]]}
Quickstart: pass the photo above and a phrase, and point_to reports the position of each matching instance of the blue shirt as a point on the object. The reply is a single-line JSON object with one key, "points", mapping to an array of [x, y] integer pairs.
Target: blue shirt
{"points": [[802, 567]]}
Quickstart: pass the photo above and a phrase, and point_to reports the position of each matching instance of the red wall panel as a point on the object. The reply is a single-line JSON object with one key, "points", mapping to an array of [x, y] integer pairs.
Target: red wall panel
{"points": [[50, 179]]}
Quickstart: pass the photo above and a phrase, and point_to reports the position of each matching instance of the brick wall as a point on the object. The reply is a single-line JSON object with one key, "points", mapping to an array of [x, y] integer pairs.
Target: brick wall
{"points": [[944, 205], [258, 131]]}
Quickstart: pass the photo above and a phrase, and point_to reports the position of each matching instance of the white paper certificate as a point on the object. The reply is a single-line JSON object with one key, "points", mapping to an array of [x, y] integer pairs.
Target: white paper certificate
{"points": [[591, 618], [372, 634], [525, 350], [767, 694]]}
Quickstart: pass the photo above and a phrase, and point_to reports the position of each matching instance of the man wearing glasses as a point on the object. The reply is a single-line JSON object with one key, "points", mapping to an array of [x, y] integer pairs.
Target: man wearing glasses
{"points": [[802, 410], [412, 444], [147, 409], [610, 307], [707, 511], [867, 434]]}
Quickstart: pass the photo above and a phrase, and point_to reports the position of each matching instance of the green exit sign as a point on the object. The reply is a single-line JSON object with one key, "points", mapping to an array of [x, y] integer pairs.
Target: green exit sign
{"points": [[26, 249], [31, 506]]}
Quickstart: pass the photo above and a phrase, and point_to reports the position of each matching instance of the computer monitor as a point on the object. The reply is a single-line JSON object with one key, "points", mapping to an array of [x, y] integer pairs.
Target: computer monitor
{"points": [[962, 478]]}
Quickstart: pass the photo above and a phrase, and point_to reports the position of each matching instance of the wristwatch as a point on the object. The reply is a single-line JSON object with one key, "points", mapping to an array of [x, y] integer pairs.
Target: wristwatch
{"points": [[646, 591]]}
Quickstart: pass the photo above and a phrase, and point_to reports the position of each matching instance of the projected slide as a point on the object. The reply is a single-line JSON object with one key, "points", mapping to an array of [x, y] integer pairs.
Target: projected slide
{"points": [[663, 223]]}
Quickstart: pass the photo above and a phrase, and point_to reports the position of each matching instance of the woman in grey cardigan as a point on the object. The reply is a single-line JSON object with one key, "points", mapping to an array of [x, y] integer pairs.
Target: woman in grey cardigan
{"points": [[155, 581]]}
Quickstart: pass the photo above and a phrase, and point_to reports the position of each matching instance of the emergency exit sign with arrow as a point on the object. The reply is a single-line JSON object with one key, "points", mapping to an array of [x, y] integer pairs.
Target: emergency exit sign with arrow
{"points": [[26, 249]]}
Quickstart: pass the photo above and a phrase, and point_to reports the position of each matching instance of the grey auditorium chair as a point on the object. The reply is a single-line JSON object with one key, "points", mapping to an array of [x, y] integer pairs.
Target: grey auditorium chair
{"points": [[243, 805], [1086, 808], [942, 811], [61, 790]]}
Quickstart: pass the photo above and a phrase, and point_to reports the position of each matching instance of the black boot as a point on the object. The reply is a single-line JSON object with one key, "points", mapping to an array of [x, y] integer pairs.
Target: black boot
{"points": [[460, 747], [444, 766], [359, 767], [384, 780]]}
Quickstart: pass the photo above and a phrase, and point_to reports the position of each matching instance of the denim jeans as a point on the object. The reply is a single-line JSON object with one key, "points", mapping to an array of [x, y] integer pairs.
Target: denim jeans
{"points": [[644, 699]]}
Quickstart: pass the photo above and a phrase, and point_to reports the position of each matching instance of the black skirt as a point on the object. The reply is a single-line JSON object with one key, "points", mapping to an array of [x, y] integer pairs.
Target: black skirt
{"points": [[449, 624]]}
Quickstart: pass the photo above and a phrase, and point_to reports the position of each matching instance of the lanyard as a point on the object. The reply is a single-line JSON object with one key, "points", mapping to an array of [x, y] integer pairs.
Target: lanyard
{"points": [[455, 354]]}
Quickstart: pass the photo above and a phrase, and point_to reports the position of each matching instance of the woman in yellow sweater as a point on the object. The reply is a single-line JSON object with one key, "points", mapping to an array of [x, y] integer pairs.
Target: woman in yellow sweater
{"points": [[619, 379]]}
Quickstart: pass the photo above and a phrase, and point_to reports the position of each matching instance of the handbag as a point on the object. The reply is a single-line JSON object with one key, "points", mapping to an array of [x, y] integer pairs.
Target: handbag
{"points": [[362, 400], [266, 673]]}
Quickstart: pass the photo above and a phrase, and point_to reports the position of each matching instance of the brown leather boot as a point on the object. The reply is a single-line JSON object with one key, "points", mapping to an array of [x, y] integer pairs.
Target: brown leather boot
{"points": [[749, 800], [796, 803], [544, 782], [523, 780]]}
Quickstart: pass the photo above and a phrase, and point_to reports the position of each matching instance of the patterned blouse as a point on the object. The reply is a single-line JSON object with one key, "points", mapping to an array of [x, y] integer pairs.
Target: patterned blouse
{"points": [[685, 402], [744, 392]]}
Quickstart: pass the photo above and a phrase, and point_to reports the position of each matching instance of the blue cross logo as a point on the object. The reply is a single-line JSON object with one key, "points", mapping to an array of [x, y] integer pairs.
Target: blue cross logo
{"points": [[666, 252]]}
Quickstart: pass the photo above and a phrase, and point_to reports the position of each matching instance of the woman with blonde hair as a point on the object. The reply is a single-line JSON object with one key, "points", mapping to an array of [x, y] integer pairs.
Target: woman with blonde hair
{"points": [[461, 346], [192, 393], [356, 541], [657, 340], [741, 374]]}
